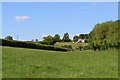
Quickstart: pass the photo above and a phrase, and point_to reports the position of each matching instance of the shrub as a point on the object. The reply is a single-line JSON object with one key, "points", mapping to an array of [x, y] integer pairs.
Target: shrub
{"points": [[68, 47], [83, 47], [79, 48]]}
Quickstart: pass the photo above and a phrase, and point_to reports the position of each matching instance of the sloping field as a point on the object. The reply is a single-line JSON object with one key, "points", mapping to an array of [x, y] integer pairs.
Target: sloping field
{"points": [[33, 63], [74, 45]]}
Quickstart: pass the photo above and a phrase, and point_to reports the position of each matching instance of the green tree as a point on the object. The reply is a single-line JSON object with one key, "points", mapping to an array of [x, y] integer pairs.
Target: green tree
{"points": [[57, 38], [48, 40], [75, 38], [83, 36], [105, 35], [36, 40], [8, 38], [66, 37]]}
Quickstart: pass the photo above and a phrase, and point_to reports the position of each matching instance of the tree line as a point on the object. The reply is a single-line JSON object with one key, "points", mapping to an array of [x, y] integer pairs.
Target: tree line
{"points": [[103, 36], [51, 40]]}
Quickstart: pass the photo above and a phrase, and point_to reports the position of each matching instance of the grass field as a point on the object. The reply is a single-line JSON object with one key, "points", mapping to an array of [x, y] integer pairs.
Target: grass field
{"points": [[24, 63]]}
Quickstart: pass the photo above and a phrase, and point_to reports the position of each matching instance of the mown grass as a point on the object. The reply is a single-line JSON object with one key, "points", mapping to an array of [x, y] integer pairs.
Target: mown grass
{"points": [[33, 63]]}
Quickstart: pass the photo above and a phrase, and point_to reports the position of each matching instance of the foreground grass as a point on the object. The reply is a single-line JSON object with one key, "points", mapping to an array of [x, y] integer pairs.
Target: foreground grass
{"points": [[24, 63]]}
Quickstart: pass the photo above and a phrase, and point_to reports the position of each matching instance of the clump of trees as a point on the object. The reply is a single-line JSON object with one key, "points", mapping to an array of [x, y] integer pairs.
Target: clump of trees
{"points": [[8, 38], [105, 35], [49, 40]]}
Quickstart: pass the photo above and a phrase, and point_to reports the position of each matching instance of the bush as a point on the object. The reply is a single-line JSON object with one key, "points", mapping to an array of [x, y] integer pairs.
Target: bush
{"points": [[86, 47], [79, 48], [83, 47]]}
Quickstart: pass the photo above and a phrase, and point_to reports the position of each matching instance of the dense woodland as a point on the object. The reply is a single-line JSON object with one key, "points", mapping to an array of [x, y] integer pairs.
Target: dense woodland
{"points": [[103, 36]]}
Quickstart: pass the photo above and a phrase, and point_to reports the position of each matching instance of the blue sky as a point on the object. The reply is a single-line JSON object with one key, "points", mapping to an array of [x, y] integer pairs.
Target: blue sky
{"points": [[60, 0], [33, 20]]}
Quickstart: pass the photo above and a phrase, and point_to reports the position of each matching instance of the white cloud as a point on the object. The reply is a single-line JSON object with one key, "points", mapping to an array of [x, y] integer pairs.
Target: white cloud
{"points": [[71, 36], [44, 35], [77, 34], [21, 18]]}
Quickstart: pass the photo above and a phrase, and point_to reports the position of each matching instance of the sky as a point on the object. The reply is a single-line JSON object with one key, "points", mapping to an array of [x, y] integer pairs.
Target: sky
{"points": [[60, 0], [33, 20]]}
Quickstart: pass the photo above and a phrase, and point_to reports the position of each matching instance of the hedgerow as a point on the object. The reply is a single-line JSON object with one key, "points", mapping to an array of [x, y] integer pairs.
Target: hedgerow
{"points": [[24, 44]]}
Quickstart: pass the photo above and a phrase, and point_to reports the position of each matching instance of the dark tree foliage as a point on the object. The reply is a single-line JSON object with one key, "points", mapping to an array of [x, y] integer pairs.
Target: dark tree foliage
{"points": [[66, 38], [36, 40], [49, 40], [8, 38], [83, 36], [75, 38], [56, 38]]}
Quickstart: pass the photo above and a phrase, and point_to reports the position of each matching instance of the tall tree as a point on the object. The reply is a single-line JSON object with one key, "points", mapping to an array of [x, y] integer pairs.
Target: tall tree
{"points": [[36, 40], [57, 38], [48, 40], [66, 37]]}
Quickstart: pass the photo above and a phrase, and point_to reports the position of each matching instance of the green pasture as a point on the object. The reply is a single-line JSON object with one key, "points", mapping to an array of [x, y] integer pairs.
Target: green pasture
{"points": [[35, 63]]}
